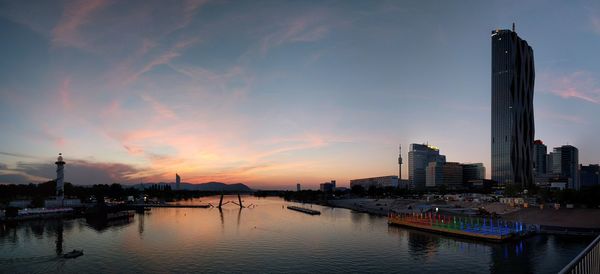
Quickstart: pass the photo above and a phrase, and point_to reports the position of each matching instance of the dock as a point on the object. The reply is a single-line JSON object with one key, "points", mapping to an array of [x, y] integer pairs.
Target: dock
{"points": [[475, 228], [304, 210]]}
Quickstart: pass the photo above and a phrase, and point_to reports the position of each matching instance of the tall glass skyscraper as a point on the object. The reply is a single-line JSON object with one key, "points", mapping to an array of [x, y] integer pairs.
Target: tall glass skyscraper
{"points": [[513, 77]]}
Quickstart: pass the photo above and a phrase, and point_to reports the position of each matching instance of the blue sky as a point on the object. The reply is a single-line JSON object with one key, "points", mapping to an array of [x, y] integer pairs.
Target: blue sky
{"points": [[271, 93]]}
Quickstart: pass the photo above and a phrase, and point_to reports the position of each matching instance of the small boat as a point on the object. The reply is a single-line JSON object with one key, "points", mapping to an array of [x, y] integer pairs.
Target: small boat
{"points": [[73, 254]]}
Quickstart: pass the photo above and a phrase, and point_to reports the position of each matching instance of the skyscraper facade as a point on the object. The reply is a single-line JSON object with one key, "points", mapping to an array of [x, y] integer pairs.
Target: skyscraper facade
{"points": [[539, 159], [419, 157], [513, 128]]}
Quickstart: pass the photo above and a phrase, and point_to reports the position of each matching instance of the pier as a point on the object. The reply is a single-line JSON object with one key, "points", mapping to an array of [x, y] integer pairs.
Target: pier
{"points": [[304, 210], [479, 228]]}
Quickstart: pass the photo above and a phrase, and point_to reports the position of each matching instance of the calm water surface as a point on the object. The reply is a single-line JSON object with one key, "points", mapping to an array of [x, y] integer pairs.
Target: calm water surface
{"points": [[266, 238]]}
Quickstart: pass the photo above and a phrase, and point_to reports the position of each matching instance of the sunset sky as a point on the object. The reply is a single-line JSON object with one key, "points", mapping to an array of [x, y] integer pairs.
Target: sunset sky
{"points": [[274, 93]]}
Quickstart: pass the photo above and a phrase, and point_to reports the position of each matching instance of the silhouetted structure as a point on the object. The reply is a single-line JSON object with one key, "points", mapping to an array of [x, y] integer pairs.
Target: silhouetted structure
{"points": [[513, 129]]}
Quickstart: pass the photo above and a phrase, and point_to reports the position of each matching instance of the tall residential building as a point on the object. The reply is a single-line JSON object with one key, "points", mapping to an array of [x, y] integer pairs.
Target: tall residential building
{"points": [[539, 159], [419, 157], [298, 187], [473, 172], [177, 181], [566, 165], [513, 129]]}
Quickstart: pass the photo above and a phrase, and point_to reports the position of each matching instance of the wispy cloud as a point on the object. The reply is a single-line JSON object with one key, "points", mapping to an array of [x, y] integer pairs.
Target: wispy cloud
{"points": [[76, 13], [162, 110], [307, 27], [581, 85]]}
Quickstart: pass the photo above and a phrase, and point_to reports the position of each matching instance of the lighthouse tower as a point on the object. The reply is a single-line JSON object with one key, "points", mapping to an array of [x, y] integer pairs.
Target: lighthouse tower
{"points": [[60, 176]]}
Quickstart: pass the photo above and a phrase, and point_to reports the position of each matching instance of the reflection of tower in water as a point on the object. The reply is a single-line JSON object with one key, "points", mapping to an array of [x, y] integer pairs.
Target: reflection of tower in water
{"points": [[141, 224], [59, 237]]}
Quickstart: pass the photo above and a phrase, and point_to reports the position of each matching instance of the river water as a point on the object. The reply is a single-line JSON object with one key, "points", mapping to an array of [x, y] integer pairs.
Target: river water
{"points": [[266, 238]]}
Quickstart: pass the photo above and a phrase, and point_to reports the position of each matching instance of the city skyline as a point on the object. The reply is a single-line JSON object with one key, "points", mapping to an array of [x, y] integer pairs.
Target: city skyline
{"points": [[272, 94]]}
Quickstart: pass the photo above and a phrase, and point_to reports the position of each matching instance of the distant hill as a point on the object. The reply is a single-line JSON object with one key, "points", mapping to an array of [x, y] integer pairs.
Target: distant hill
{"points": [[210, 186]]}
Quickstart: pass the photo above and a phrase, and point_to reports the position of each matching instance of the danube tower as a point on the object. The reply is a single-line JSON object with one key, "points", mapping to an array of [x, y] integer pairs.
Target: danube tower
{"points": [[513, 77], [60, 176]]}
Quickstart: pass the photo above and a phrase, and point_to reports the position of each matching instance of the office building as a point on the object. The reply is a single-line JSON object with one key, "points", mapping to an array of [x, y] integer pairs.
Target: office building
{"points": [[177, 181], [447, 174], [298, 187], [589, 175], [377, 182], [419, 157], [472, 172], [513, 129], [565, 161]]}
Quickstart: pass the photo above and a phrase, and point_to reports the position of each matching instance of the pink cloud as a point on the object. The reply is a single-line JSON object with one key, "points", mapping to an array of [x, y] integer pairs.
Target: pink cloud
{"points": [[75, 15], [163, 111], [580, 85]]}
